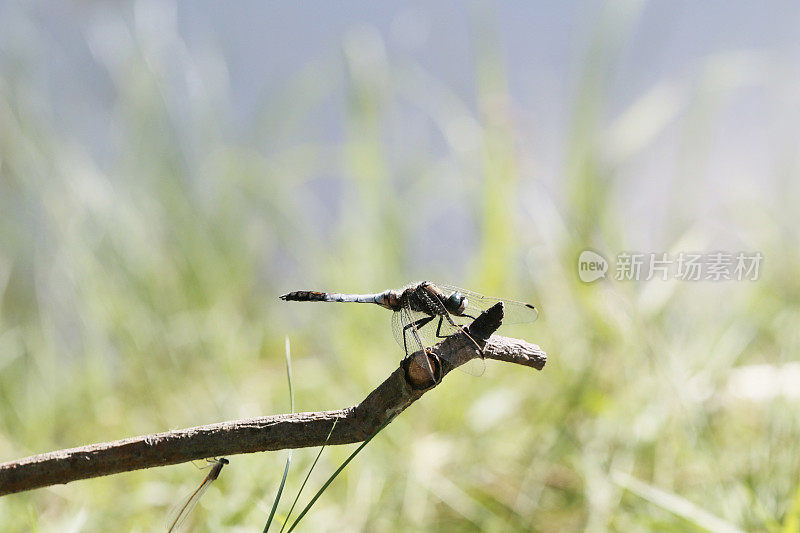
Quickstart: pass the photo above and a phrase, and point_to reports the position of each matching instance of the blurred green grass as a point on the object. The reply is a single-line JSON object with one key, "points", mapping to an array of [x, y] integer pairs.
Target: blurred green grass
{"points": [[139, 293]]}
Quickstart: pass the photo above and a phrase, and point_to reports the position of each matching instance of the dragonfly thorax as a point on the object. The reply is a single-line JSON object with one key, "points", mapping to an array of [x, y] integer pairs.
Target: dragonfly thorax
{"points": [[431, 300]]}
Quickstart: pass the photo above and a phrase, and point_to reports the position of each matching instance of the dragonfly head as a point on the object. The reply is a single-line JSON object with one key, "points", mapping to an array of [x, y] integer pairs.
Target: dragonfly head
{"points": [[456, 303]]}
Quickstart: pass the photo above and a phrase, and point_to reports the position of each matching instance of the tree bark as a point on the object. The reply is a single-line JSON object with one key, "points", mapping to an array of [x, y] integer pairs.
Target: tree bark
{"points": [[354, 424]]}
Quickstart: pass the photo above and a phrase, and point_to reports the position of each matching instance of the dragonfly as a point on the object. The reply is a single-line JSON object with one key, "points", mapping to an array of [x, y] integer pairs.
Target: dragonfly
{"points": [[425, 313], [182, 512]]}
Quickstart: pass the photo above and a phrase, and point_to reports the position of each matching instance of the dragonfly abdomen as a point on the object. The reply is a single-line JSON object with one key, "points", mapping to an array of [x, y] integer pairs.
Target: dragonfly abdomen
{"points": [[304, 296], [314, 296]]}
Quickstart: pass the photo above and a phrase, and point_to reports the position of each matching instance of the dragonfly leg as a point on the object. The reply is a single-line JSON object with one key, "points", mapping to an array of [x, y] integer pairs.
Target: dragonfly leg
{"points": [[462, 329], [417, 324], [450, 320], [439, 328]]}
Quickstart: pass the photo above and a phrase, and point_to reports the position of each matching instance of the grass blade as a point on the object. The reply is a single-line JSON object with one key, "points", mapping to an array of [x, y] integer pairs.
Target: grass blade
{"points": [[288, 351], [289, 514], [673, 503], [278, 495], [333, 476], [791, 521]]}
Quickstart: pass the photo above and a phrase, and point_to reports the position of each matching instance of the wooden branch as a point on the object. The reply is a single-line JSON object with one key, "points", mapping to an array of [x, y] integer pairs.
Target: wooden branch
{"points": [[403, 387]]}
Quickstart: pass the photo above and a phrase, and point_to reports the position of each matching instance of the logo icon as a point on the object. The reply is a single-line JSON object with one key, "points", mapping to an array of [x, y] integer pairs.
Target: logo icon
{"points": [[591, 266]]}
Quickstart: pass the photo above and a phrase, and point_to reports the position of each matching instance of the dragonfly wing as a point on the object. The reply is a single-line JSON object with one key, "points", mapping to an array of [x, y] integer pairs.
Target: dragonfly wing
{"points": [[178, 514], [436, 330], [406, 335], [406, 332], [439, 329], [474, 367], [431, 331], [514, 312]]}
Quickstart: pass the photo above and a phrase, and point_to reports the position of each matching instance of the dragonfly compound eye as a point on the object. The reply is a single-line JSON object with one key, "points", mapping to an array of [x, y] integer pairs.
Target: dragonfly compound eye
{"points": [[456, 303]]}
